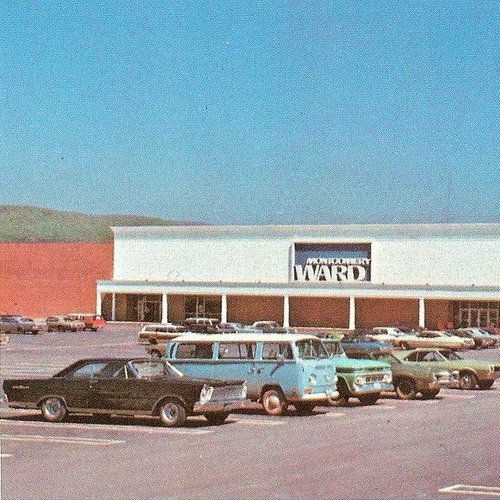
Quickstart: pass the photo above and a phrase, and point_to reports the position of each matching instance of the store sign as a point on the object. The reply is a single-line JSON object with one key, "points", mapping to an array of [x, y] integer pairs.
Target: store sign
{"points": [[332, 262]]}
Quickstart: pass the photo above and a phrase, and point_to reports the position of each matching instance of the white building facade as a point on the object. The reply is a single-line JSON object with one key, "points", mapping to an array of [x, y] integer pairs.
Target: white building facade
{"points": [[338, 276]]}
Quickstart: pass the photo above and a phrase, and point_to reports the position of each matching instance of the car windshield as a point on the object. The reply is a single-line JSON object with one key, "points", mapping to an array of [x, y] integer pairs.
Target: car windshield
{"points": [[385, 356], [333, 347], [450, 355], [312, 349], [153, 369]]}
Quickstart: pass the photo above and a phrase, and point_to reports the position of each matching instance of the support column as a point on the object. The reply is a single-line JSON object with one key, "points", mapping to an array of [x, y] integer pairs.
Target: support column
{"points": [[286, 311], [113, 307], [223, 311], [98, 305], [164, 308], [421, 313], [352, 313]]}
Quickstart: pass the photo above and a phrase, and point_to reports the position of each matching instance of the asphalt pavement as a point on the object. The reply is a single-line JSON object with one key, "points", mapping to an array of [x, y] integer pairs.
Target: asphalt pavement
{"points": [[445, 448]]}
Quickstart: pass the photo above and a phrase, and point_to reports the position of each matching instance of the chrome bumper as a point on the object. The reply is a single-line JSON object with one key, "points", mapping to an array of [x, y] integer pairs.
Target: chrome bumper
{"points": [[319, 397], [221, 406]]}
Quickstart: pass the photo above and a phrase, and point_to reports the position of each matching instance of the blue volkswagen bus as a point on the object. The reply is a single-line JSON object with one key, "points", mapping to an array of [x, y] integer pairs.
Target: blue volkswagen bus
{"points": [[280, 369]]}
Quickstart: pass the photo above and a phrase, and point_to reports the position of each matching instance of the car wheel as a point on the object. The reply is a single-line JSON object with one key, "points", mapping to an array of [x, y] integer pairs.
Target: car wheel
{"points": [[61, 328], [343, 399], [217, 418], [430, 394], [53, 410], [405, 389], [368, 399], [468, 381], [274, 402], [485, 384], [172, 413]]}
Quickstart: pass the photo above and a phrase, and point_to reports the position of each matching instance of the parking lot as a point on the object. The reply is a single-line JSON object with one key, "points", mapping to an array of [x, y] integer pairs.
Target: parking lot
{"points": [[443, 448]]}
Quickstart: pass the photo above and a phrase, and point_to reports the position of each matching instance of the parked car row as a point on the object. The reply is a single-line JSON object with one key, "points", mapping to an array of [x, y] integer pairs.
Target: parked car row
{"points": [[155, 333], [356, 378], [15, 323], [213, 374], [461, 338]]}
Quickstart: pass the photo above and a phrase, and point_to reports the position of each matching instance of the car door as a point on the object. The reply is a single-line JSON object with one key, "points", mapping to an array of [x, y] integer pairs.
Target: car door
{"points": [[275, 364], [78, 384], [110, 388], [235, 360]]}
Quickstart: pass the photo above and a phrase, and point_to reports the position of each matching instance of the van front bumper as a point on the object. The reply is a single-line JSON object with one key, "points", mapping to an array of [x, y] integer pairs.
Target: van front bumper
{"points": [[318, 396], [221, 406]]}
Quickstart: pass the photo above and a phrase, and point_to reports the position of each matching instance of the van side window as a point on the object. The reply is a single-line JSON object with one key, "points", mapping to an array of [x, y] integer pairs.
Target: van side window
{"points": [[271, 350], [235, 350], [195, 351]]}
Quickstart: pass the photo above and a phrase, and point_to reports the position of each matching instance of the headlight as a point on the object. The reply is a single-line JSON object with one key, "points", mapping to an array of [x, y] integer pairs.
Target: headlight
{"points": [[360, 380], [312, 379], [206, 393], [387, 378], [244, 390]]}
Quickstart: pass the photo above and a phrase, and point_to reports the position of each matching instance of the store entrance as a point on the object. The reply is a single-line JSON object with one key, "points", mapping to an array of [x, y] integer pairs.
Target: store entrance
{"points": [[199, 306], [148, 310], [477, 314]]}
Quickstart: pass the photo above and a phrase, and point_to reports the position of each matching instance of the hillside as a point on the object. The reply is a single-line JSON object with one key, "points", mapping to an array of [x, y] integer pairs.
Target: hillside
{"points": [[35, 224]]}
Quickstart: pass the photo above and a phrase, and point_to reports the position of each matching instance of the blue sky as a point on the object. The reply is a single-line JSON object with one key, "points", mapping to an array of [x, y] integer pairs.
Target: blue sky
{"points": [[253, 112]]}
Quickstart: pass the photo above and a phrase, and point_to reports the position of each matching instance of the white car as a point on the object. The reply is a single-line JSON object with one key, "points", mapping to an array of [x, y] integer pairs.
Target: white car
{"points": [[391, 334], [439, 339], [159, 332]]}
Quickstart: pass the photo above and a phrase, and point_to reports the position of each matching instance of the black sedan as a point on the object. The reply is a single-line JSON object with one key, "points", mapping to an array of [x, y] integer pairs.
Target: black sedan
{"points": [[131, 386]]}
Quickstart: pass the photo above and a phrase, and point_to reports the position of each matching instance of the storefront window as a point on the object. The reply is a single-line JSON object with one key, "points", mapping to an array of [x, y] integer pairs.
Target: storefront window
{"points": [[202, 307], [476, 314]]}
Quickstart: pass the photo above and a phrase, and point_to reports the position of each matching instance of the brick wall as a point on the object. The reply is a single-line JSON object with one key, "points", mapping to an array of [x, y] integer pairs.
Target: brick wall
{"points": [[39, 279]]}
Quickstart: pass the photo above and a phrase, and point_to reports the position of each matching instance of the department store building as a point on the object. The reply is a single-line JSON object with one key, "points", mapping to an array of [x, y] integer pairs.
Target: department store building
{"points": [[339, 276]]}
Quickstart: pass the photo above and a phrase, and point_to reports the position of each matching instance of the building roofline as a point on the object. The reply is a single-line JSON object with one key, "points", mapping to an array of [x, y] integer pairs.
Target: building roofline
{"points": [[448, 230]]}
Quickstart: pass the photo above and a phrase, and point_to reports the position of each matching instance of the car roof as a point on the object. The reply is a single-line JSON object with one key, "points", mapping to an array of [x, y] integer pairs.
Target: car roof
{"points": [[244, 337]]}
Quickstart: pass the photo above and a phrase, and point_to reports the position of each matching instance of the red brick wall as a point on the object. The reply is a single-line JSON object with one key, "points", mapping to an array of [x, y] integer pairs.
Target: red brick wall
{"points": [[39, 279]]}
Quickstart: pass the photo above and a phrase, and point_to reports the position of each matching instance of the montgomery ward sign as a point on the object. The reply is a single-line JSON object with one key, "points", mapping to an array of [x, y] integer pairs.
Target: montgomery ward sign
{"points": [[332, 262]]}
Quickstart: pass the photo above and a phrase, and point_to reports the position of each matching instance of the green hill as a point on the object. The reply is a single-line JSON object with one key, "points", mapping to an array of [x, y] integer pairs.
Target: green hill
{"points": [[35, 224]]}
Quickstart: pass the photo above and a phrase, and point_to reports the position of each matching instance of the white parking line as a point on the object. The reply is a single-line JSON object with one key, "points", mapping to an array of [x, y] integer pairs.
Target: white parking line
{"points": [[334, 415], [379, 407], [105, 427], [58, 439], [5, 455], [466, 489], [459, 396], [248, 421]]}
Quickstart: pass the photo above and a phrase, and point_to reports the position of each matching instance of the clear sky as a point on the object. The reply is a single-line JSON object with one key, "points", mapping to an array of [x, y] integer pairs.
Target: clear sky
{"points": [[253, 112]]}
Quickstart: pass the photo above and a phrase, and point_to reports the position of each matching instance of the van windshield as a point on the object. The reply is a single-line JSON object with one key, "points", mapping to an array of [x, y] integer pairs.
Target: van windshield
{"points": [[311, 349]]}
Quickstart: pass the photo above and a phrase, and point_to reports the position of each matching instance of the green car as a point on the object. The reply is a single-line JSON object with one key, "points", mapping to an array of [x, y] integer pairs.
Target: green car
{"points": [[472, 373], [358, 378], [410, 378]]}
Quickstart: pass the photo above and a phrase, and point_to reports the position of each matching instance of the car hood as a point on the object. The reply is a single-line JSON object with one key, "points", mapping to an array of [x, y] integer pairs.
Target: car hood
{"points": [[349, 364]]}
